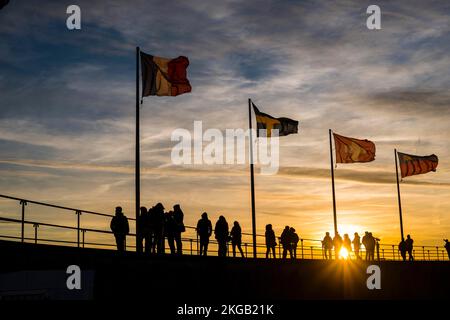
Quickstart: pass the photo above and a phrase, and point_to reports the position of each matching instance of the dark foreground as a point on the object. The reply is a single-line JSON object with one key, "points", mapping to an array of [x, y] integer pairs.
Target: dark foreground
{"points": [[29, 271]]}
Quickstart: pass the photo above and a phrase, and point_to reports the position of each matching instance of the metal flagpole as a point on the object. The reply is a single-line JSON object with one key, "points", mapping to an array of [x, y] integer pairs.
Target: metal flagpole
{"points": [[332, 185], [398, 194], [137, 164], [252, 177]]}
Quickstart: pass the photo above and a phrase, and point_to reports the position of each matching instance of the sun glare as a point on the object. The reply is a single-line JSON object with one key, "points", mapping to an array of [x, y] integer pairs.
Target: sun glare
{"points": [[343, 254]]}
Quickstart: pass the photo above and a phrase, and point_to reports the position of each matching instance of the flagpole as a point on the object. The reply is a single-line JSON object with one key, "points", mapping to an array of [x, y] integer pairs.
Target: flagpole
{"points": [[398, 194], [252, 177], [332, 185], [137, 164]]}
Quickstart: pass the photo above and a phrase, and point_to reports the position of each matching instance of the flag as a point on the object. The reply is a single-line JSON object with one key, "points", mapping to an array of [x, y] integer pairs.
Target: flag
{"points": [[411, 165], [285, 126], [350, 150], [164, 77], [3, 3]]}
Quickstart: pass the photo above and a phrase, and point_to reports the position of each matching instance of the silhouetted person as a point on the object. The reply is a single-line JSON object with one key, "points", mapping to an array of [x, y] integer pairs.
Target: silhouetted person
{"points": [[371, 242], [347, 244], [170, 227], [327, 245], [158, 219], [447, 247], [409, 247], [204, 231], [178, 217], [356, 245], [271, 242], [145, 229], [294, 241], [402, 249], [286, 242], [120, 228], [365, 240], [337, 244], [236, 238], [222, 234]]}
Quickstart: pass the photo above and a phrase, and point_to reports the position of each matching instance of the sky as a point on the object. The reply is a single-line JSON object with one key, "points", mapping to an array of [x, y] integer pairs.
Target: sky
{"points": [[67, 110]]}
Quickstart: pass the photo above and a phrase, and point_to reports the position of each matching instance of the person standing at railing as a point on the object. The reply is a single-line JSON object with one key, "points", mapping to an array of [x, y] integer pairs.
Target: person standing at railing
{"points": [[170, 227], [294, 241], [327, 245], [222, 234], [365, 242], [347, 243], [119, 226], [204, 231], [286, 242], [178, 217], [370, 248], [145, 229], [236, 238], [158, 224], [447, 247], [337, 244], [409, 247], [402, 249], [271, 242], [356, 245]]}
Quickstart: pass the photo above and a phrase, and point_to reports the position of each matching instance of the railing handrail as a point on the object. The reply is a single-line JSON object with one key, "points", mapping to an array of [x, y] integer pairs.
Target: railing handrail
{"points": [[132, 234], [60, 207]]}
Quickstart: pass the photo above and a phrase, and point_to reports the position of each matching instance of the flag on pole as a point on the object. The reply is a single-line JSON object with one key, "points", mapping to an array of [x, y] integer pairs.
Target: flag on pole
{"points": [[285, 126], [351, 150], [411, 165], [164, 77]]}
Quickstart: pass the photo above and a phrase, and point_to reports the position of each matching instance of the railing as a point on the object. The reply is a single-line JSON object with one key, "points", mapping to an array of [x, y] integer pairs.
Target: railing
{"points": [[307, 248]]}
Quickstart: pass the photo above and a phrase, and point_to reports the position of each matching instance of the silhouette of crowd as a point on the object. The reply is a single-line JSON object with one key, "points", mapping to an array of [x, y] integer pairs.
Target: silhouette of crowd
{"points": [[154, 226], [343, 247]]}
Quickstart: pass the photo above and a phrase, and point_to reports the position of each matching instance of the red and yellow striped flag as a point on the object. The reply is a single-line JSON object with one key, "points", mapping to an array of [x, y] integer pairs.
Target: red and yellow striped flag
{"points": [[411, 165]]}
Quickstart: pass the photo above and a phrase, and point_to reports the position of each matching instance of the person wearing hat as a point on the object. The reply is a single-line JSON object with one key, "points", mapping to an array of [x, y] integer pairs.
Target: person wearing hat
{"points": [[204, 231], [119, 226]]}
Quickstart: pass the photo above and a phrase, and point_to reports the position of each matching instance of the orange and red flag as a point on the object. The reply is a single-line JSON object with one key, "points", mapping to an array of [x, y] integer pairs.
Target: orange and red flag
{"points": [[350, 150], [411, 165]]}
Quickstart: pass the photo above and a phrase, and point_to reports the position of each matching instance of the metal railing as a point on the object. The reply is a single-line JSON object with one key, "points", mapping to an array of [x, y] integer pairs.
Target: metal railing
{"points": [[306, 249]]}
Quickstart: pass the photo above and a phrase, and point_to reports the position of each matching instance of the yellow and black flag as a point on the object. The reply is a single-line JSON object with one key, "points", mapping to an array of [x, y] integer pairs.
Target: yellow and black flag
{"points": [[411, 165], [266, 122]]}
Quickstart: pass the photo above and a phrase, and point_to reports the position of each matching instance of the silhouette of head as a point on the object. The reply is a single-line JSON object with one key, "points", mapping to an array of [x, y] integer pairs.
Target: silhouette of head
{"points": [[356, 233], [159, 206], [408, 236], [222, 218], [292, 230], [370, 234], [236, 223], [269, 227], [287, 227], [327, 234], [346, 235], [118, 210], [204, 215], [176, 207], [143, 210]]}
